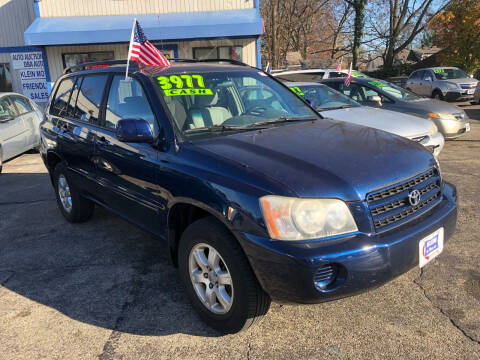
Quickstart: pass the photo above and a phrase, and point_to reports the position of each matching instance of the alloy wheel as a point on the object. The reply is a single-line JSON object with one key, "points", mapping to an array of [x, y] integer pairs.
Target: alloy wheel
{"points": [[211, 278]]}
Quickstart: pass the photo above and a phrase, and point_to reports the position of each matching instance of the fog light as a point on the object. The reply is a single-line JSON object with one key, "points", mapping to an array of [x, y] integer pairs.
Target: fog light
{"points": [[325, 276]]}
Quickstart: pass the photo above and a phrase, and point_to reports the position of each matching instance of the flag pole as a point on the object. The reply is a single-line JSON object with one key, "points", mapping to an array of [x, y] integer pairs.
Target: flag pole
{"points": [[130, 48]]}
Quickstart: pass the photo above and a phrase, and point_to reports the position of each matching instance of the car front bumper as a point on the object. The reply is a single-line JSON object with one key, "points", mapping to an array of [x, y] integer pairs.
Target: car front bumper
{"points": [[286, 270], [434, 143], [452, 128], [457, 96]]}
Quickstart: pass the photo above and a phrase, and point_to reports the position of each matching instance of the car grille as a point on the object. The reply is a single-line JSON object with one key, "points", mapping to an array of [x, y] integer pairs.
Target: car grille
{"points": [[324, 276], [468, 86], [390, 207]]}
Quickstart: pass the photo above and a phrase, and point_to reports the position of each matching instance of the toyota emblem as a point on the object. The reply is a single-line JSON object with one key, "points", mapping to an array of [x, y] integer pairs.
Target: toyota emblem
{"points": [[414, 197]]}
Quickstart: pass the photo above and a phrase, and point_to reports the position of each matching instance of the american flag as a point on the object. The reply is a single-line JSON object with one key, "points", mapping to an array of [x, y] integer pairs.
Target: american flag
{"points": [[339, 65], [348, 79], [142, 51]]}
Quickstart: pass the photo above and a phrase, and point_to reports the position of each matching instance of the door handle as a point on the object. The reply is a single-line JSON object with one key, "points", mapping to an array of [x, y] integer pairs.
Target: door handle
{"points": [[102, 141]]}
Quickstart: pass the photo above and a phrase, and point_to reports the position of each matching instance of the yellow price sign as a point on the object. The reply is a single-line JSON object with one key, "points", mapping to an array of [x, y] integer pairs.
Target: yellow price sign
{"points": [[297, 90], [185, 84]]}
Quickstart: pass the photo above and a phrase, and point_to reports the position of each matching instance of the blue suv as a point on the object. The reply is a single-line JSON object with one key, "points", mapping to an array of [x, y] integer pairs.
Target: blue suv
{"points": [[258, 197]]}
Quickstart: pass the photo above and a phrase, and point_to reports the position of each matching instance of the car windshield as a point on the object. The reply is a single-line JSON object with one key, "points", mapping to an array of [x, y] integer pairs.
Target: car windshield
{"points": [[322, 97], [394, 90], [220, 102], [447, 74]]}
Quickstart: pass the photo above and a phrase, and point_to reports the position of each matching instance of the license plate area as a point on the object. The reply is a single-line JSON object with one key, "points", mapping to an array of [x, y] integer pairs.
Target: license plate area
{"points": [[430, 247], [467, 127]]}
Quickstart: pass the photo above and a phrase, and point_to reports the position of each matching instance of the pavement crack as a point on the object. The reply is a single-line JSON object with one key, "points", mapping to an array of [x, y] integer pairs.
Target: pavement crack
{"points": [[417, 282], [249, 349], [24, 202]]}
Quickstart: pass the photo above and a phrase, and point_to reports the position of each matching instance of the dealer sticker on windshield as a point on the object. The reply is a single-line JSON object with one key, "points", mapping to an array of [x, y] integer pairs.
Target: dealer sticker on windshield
{"points": [[430, 247], [185, 84], [377, 83]]}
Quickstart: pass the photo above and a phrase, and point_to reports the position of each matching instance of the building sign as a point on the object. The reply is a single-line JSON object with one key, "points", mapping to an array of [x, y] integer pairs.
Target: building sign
{"points": [[31, 69]]}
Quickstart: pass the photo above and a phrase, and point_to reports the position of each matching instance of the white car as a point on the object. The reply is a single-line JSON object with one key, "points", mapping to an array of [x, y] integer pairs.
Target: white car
{"points": [[333, 104], [19, 125], [314, 74]]}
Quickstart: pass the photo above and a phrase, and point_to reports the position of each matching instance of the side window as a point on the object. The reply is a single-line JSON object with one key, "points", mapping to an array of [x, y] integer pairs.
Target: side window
{"points": [[413, 76], [6, 108], [21, 104], [62, 96], [89, 97], [427, 75], [127, 100]]}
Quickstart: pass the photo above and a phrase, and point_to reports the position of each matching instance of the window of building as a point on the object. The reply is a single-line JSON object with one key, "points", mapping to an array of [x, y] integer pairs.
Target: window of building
{"points": [[73, 59], [5, 78], [87, 98], [21, 104], [127, 100], [62, 97], [220, 52]]}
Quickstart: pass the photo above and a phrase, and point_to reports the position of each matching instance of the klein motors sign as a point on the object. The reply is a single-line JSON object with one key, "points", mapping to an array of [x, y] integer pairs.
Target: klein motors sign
{"points": [[31, 68]]}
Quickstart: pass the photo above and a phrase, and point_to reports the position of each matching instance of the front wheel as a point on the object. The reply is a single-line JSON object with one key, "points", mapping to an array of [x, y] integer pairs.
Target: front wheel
{"points": [[437, 95], [218, 278]]}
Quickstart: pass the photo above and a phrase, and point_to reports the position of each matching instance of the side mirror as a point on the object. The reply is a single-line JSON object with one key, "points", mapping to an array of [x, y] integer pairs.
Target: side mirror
{"points": [[134, 130], [375, 99]]}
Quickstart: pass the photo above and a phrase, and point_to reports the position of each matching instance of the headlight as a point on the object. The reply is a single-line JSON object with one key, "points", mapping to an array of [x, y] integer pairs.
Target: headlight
{"points": [[300, 219], [451, 85], [433, 129]]}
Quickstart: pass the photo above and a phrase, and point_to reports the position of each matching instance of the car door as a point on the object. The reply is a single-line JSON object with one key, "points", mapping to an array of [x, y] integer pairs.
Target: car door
{"points": [[74, 113], [127, 171], [12, 130], [413, 82], [30, 120], [426, 83]]}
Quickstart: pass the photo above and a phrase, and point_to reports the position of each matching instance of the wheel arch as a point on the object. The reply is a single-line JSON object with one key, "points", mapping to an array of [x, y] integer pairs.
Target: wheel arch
{"points": [[52, 159], [184, 212]]}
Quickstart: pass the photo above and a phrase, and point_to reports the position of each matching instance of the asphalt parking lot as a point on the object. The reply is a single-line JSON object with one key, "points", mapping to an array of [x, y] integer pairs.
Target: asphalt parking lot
{"points": [[106, 290]]}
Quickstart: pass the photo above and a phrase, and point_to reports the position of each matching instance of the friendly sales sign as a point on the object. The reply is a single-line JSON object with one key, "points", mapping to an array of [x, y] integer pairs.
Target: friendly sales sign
{"points": [[31, 68]]}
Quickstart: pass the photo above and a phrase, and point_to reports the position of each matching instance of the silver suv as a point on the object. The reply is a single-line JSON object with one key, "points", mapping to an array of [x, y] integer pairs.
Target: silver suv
{"points": [[443, 83]]}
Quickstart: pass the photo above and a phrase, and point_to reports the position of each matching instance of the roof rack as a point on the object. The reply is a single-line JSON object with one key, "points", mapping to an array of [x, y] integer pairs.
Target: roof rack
{"points": [[94, 64], [134, 64]]}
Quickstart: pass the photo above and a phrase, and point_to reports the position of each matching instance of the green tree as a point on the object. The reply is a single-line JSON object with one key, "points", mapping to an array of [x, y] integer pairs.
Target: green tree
{"points": [[359, 8]]}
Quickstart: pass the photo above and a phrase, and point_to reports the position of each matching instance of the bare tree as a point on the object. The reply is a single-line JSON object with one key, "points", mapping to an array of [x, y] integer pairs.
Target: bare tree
{"points": [[397, 23], [359, 7]]}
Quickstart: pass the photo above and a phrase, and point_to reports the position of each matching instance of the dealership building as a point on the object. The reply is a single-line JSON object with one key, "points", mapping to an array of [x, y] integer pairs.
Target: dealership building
{"points": [[40, 38]]}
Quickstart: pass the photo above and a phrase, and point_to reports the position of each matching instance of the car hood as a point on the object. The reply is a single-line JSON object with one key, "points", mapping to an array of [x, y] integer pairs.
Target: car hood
{"points": [[461, 81], [426, 106], [393, 122], [323, 158]]}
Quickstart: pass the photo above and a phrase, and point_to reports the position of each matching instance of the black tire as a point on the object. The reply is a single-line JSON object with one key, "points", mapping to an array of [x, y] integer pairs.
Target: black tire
{"points": [[437, 95], [81, 208], [250, 303]]}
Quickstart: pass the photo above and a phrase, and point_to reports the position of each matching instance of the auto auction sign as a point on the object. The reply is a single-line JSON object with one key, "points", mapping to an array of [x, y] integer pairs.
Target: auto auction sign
{"points": [[31, 68]]}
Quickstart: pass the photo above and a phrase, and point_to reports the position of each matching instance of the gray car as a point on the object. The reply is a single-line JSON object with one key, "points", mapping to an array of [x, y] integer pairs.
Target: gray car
{"points": [[451, 121], [332, 104], [442, 83]]}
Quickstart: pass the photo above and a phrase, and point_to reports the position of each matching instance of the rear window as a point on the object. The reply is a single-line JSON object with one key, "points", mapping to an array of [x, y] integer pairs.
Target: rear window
{"points": [[302, 77], [59, 105]]}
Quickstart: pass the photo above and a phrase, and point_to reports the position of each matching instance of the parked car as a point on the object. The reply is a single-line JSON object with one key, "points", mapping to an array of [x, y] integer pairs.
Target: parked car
{"points": [[451, 121], [314, 74], [476, 95], [258, 200], [333, 104], [19, 125], [442, 83]]}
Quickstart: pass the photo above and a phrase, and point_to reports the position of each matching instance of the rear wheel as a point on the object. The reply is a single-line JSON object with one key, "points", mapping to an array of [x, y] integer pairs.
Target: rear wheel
{"points": [[218, 278], [73, 206]]}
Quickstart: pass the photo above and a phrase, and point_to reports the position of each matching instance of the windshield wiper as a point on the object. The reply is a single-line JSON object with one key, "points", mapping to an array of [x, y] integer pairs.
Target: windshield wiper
{"points": [[281, 119], [335, 108], [217, 128]]}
